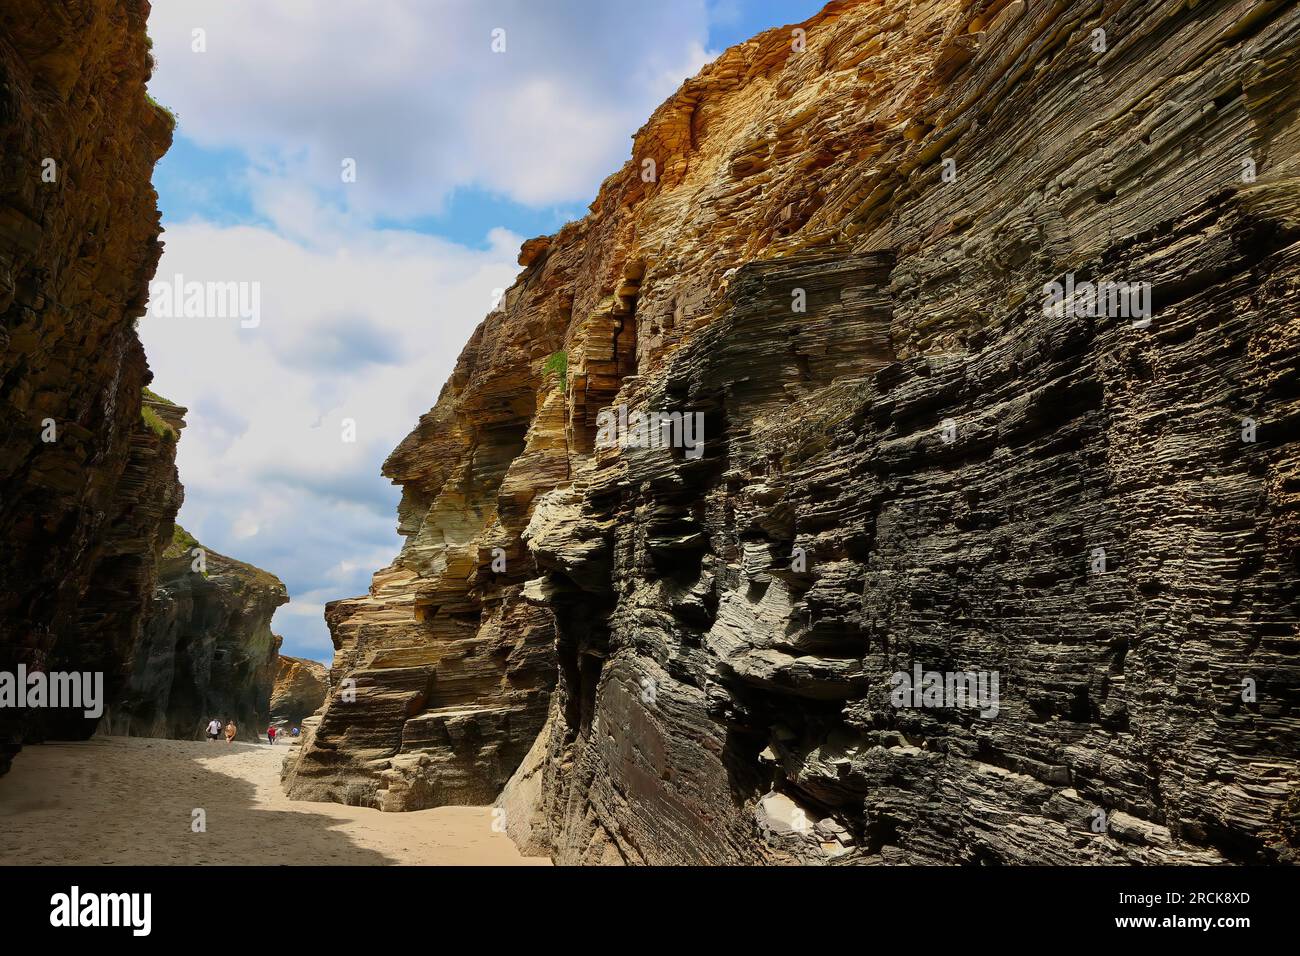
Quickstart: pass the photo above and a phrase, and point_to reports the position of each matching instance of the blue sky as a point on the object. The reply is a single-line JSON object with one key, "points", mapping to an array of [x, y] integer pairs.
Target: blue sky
{"points": [[368, 289]]}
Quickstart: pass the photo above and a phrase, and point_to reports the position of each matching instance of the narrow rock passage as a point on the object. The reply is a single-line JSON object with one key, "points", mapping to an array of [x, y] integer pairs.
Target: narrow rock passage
{"points": [[131, 800]]}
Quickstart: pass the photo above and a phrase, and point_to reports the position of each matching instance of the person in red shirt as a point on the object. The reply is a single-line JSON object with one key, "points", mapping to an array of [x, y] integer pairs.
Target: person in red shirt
{"points": [[270, 735]]}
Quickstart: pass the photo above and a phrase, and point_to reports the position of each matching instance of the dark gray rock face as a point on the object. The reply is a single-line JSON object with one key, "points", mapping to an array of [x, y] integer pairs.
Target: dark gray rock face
{"points": [[1100, 512], [110, 615], [713, 675], [207, 650]]}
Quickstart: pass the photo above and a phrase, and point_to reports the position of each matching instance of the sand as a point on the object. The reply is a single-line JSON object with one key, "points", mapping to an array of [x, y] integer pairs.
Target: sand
{"points": [[130, 800]]}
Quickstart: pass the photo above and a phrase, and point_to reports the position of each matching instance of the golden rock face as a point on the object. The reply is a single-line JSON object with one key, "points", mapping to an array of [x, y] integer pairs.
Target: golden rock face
{"points": [[833, 246], [299, 690]]}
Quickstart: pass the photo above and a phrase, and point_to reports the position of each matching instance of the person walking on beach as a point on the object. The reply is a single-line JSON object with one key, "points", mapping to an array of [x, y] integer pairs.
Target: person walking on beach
{"points": [[231, 730], [270, 735], [214, 729]]}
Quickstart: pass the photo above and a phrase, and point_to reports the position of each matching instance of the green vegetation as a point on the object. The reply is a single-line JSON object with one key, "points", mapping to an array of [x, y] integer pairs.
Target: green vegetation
{"points": [[183, 545], [153, 420], [170, 115], [156, 425], [557, 365], [182, 541]]}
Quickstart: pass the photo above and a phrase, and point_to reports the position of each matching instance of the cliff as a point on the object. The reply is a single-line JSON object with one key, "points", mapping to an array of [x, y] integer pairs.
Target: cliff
{"points": [[111, 614], [837, 248], [87, 488], [206, 650], [299, 689], [93, 574]]}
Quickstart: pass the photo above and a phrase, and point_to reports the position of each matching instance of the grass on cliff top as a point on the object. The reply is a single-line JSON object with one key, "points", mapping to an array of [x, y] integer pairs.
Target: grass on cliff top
{"points": [[182, 542], [156, 425], [182, 545], [153, 102], [155, 397], [183, 538]]}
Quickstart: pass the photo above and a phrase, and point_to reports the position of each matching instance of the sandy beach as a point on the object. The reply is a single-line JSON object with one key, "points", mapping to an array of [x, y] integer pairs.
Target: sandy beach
{"points": [[131, 800]]}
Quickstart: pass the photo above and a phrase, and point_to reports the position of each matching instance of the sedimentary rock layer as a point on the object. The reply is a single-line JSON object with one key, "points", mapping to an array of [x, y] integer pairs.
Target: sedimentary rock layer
{"points": [[78, 245], [835, 246], [299, 689], [113, 608], [206, 650]]}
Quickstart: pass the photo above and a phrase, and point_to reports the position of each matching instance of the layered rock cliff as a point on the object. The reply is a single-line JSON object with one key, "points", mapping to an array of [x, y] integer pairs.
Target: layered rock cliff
{"points": [[94, 578], [299, 689], [112, 612], [836, 246], [206, 651], [87, 489]]}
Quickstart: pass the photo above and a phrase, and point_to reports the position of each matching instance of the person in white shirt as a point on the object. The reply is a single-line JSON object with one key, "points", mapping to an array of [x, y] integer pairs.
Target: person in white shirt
{"points": [[214, 729]]}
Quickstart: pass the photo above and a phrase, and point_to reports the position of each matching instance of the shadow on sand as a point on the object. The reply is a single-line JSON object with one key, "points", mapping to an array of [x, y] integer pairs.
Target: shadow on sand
{"points": [[104, 802]]}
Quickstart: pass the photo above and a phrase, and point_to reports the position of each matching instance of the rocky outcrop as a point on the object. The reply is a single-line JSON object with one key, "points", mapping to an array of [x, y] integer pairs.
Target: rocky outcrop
{"points": [[207, 649], [299, 689], [86, 488], [836, 247], [442, 673], [112, 611]]}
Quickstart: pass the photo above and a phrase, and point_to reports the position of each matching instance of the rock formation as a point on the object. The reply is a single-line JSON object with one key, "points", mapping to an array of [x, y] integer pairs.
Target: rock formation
{"points": [[111, 613], [88, 483], [207, 649], [836, 246], [87, 489], [299, 689]]}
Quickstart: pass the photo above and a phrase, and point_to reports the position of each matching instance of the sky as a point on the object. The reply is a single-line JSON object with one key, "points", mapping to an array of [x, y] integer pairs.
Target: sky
{"points": [[366, 173]]}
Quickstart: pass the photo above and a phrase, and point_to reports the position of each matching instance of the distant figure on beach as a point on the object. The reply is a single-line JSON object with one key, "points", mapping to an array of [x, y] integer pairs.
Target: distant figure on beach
{"points": [[231, 730], [295, 732], [270, 735], [214, 729]]}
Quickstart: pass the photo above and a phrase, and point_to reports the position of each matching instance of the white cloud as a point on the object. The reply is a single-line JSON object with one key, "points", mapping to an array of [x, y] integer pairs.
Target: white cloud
{"points": [[413, 92], [246, 526]]}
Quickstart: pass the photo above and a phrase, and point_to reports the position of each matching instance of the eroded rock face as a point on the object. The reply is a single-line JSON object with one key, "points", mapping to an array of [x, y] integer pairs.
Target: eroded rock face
{"points": [[911, 459], [299, 689], [81, 514], [113, 611], [207, 649]]}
